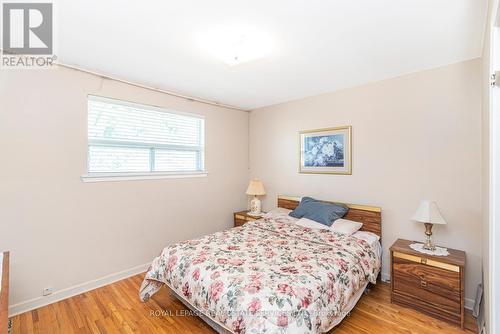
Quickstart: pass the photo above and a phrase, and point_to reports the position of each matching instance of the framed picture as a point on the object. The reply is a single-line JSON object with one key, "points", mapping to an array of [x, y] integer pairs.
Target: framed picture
{"points": [[326, 151]]}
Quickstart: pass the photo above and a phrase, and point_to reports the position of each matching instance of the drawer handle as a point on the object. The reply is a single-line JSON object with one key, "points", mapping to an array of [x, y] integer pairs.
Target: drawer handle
{"points": [[423, 260], [423, 284]]}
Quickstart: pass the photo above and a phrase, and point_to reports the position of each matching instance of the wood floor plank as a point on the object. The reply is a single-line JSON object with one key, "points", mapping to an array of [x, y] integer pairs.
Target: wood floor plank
{"points": [[116, 308]]}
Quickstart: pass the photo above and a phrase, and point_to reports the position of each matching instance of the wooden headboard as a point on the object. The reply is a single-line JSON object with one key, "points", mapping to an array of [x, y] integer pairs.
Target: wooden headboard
{"points": [[370, 216]]}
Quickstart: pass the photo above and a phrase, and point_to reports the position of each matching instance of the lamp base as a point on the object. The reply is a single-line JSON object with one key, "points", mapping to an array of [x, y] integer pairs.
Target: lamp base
{"points": [[428, 245], [255, 207]]}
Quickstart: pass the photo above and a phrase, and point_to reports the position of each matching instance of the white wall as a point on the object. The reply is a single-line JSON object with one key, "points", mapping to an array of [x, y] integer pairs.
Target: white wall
{"points": [[62, 232], [414, 137]]}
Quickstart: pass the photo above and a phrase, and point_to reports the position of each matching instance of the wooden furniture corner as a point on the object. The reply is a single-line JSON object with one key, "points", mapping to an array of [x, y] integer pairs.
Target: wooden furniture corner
{"points": [[4, 295]]}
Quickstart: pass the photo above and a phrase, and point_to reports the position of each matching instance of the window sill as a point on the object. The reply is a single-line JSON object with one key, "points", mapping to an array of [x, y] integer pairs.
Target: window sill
{"points": [[110, 177]]}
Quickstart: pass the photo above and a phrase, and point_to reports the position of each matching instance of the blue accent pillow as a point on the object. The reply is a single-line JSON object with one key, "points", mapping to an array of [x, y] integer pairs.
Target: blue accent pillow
{"points": [[321, 212]]}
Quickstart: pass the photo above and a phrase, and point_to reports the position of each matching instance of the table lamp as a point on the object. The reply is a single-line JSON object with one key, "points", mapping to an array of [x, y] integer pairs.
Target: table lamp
{"points": [[255, 188], [428, 213]]}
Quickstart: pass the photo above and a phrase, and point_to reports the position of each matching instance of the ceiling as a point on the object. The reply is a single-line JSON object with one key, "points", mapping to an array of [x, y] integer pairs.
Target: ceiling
{"points": [[318, 46]]}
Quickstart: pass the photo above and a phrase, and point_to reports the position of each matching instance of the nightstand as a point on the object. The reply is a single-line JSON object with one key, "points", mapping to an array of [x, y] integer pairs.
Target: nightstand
{"points": [[431, 284], [241, 217]]}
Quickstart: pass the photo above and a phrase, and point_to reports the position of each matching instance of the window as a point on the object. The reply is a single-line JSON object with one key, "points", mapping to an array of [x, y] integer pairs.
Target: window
{"points": [[129, 139]]}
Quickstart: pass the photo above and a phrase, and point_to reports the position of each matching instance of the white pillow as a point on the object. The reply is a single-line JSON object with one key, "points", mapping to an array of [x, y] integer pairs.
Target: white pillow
{"points": [[367, 236], [304, 222], [345, 226], [277, 212]]}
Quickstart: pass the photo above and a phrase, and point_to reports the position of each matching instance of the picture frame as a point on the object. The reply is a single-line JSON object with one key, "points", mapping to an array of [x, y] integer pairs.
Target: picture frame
{"points": [[326, 151]]}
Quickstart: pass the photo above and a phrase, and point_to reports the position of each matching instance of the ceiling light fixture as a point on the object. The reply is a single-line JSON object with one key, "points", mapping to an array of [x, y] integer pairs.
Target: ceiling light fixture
{"points": [[237, 45]]}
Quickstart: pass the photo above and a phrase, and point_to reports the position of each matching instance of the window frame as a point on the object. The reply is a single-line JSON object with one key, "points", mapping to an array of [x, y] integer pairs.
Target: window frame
{"points": [[146, 175]]}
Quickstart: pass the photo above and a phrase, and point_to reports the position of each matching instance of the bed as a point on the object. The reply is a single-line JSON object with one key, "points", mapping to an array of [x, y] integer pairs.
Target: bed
{"points": [[271, 275]]}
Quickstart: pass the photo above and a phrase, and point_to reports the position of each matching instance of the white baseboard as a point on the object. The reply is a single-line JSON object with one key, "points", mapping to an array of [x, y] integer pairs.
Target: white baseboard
{"points": [[469, 303], [56, 296]]}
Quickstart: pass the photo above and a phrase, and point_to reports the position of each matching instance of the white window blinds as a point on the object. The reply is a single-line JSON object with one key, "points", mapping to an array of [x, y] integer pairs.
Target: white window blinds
{"points": [[126, 137]]}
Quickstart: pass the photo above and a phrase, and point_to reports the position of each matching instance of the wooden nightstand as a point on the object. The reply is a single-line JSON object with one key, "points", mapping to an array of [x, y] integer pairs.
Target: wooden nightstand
{"points": [[430, 284], [241, 217]]}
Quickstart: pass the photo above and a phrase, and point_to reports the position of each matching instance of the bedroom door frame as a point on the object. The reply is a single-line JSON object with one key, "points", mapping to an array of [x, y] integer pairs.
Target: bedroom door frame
{"points": [[494, 200]]}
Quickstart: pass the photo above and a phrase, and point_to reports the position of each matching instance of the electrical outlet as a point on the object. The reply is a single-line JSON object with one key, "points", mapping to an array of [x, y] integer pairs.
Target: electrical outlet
{"points": [[47, 291]]}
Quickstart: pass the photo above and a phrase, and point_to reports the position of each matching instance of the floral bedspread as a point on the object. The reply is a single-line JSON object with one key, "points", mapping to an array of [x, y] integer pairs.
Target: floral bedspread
{"points": [[268, 276]]}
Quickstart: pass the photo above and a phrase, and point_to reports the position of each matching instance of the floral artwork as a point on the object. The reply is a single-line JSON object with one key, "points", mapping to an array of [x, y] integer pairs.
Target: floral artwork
{"points": [[268, 276], [326, 151]]}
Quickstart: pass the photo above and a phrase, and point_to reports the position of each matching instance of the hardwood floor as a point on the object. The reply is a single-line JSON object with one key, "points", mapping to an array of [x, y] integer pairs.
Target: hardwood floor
{"points": [[116, 308]]}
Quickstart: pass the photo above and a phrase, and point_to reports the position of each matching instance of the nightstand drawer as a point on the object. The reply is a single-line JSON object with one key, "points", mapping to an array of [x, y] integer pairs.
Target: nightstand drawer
{"points": [[239, 222], [427, 307], [433, 287], [434, 279], [240, 217]]}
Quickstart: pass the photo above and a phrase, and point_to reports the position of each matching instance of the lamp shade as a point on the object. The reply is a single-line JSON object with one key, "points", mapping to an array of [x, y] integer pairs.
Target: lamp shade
{"points": [[255, 187], [428, 212]]}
